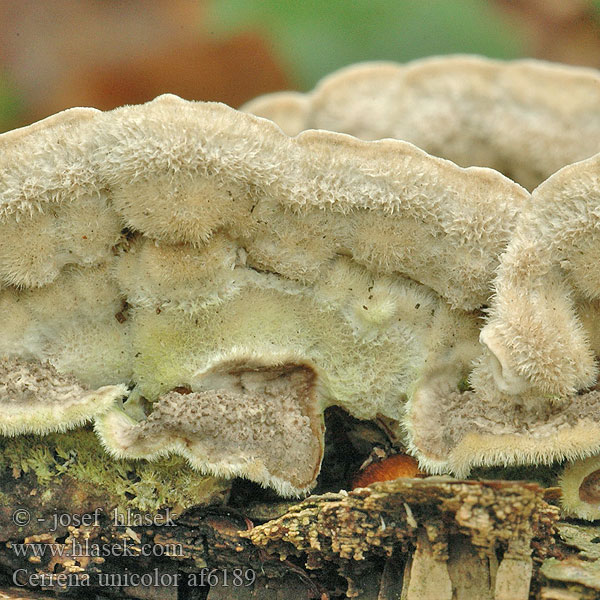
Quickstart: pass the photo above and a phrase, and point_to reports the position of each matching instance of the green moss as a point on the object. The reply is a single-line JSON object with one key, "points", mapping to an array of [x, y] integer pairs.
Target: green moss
{"points": [[141, 484]]}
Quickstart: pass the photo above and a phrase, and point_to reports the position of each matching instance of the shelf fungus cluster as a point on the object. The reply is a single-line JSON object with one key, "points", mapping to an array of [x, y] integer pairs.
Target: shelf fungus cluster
{"points": [[416, 243]]}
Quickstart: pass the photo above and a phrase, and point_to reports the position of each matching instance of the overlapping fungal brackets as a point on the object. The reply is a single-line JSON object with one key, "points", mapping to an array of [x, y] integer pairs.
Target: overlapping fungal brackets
{"points": [[229, 281], [530, 400]]}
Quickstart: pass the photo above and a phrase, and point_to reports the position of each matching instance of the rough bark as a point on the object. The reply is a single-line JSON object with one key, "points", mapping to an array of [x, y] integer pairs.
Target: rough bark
{"points": [[412, 539]]}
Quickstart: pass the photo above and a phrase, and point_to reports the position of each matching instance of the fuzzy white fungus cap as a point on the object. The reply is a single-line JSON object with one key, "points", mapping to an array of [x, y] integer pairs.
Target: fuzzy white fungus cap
{"points": [[227, 277]]}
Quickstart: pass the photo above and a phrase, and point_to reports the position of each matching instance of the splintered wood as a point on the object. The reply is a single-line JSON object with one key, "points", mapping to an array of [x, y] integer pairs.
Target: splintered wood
{"points": [[458, 529], [414, 539]]}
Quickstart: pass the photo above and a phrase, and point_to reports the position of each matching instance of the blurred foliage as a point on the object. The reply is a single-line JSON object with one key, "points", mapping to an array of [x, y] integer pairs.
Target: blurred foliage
{"points": [[315, 37], [10, 103]]}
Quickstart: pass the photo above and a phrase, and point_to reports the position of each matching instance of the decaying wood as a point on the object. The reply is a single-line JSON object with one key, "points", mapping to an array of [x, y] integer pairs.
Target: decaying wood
{"points": [[446, 521], [19, 594], [410, 539], [577, 575], [488, 512]]}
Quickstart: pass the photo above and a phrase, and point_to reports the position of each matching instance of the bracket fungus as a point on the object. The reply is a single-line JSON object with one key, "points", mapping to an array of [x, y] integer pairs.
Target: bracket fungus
{"points": [[530, 401], [525, 118], [220, 278]]}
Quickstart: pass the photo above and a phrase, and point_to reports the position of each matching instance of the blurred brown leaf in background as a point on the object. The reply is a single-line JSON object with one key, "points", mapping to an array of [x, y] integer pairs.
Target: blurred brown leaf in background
{"points": [[63, 53], [566, 31]]}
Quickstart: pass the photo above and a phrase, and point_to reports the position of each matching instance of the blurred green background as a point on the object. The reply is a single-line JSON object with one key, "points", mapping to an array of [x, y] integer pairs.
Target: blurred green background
{"points": [[105, 53], [316, 37]]}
